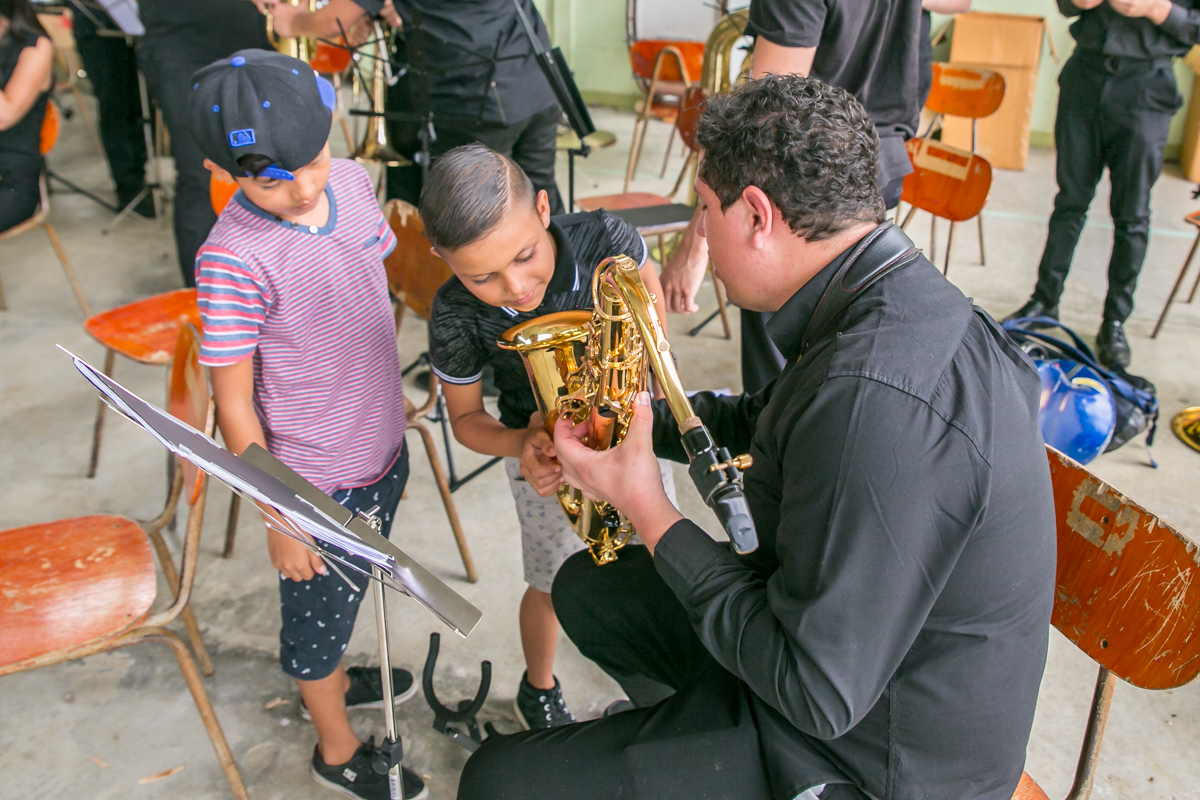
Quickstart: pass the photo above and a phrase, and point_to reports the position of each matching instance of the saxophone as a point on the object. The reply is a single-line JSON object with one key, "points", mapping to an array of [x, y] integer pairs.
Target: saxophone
{"points": [[294, 46], [589, 366]]}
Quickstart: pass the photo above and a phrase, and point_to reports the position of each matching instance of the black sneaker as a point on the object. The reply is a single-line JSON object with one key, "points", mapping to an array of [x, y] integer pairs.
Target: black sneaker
{"points": [[366, 689], [1034, 308], [1112, 348], [538, 709], [357, 778]]}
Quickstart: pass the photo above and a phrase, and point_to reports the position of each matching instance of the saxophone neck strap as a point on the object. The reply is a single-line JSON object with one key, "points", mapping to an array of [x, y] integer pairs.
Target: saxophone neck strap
{"points": [[880, 252]]}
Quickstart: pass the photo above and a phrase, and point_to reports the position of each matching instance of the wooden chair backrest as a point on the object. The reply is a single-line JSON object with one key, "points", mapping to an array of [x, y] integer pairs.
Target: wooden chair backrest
{"points": [[690, 109], [681, 61], [414, 273], [962, 91], [188, 398], [947, 182], [50, 125], [1126, 592], [220, 192], [331, 59]]}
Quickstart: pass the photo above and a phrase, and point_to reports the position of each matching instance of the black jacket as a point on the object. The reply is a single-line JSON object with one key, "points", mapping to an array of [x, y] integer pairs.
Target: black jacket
{"points": [[892, 627]]}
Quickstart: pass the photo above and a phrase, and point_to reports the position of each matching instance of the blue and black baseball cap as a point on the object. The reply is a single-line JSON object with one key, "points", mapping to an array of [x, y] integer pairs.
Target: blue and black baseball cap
{"points": [[264, 103]]}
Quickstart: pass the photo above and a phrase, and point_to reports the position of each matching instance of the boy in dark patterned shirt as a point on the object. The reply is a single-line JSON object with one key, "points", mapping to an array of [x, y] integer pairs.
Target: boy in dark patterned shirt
{"points": [[513, 262]]}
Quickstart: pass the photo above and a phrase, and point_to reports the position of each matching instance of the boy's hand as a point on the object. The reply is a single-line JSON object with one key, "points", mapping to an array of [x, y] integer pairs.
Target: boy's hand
{"points": [[283, 16], [539, 466], [293, 560]]}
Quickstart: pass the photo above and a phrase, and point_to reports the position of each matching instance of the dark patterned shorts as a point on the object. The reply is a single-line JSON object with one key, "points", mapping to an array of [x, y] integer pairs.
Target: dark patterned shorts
{"points": [[318, 615]]}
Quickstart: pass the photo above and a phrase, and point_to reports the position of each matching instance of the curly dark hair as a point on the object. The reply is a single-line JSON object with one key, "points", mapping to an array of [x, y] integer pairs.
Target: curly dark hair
{"points": [[808, 146]]}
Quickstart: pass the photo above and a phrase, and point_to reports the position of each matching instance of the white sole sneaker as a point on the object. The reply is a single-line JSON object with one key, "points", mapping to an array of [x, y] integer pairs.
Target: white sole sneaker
{"points": [[321, 780]]}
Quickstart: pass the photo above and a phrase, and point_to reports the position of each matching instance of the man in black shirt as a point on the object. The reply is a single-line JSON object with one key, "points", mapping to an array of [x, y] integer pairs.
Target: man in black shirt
{"points": [[888, 637], [181, 37], [868, 47], [1116, 98]]}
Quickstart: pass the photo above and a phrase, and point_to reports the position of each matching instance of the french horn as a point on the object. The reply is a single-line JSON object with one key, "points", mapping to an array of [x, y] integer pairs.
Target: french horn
{"points": [[590, 366]]}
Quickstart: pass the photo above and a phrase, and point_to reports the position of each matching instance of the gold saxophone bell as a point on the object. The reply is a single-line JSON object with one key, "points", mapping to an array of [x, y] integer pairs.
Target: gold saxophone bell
{"points": [[376, 147], [590, 365], [1186, 425], [294, 46]]}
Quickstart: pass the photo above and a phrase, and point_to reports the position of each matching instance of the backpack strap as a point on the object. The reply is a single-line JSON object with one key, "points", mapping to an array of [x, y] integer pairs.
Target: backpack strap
{"points": [[883, 250]]}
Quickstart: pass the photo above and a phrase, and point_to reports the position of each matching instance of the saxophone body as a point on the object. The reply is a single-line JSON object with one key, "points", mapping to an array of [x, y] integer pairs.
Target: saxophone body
{"points": [[294, 46], [590, 366]]}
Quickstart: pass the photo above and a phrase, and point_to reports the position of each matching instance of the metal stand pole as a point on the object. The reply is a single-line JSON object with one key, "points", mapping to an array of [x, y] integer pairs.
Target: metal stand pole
{"points": [[385, 673], [153, 187]]}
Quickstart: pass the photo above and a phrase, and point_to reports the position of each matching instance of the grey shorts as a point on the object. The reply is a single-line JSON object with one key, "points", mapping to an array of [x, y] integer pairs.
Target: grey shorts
{"points": [[547, 539]]}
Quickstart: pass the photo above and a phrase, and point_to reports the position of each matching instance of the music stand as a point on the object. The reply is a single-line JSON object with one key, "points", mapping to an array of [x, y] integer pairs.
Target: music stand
{"points": [[317, 521]]}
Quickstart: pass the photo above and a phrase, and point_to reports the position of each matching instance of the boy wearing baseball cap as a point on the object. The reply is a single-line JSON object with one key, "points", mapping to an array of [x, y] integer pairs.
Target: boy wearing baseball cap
{"points": [[300, 340]]}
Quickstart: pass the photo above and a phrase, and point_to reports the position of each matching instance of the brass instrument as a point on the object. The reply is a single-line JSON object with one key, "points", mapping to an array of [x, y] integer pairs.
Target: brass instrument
{"points": [[718, 51], [376, 146], [1186, 425], [590, 365], [294, 46]]}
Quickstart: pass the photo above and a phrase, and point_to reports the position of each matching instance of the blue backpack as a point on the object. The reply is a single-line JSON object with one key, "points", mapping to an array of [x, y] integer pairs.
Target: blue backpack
{"points": [[1134, 402]]}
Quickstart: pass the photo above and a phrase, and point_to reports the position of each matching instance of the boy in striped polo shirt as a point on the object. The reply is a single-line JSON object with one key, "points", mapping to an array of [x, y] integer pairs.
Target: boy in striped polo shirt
{"points": [[300, 340]]}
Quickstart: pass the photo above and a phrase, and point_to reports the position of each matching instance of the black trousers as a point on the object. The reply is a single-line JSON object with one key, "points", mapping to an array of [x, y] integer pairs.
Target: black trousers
{"points": [[761, 360], [530, 142], [111, 66], [168, 62], [1116, 114], [700, 742]]}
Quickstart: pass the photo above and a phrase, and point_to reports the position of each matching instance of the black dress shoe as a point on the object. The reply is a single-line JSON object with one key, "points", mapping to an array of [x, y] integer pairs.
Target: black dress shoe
{"points": [[1112, 348], [1034, 308]]}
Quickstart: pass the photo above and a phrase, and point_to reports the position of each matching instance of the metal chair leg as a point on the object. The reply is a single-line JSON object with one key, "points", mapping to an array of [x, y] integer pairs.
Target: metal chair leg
{"points": [[933, 238], [667, 157], [949, 248], [908, 217], [203, 705], [231, 526], [439, 477], [1162, 317], [98, 428], [635, 152], [189, 619], [3, 301], [52, 235], [1192, 293], [982, 257]]}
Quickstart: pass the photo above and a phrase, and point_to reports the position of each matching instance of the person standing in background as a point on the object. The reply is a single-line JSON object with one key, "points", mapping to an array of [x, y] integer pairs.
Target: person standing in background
{"points": [[1116, 98], [25, 80], [181, 37], [111, 65]]}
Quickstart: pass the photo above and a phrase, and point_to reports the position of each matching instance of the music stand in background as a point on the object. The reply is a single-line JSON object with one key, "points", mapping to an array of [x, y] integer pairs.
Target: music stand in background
{"points": [[317, 521]]}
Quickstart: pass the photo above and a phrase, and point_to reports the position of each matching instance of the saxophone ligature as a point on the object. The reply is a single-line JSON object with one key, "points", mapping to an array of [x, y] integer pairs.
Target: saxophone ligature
{"points": [[590, 365]]}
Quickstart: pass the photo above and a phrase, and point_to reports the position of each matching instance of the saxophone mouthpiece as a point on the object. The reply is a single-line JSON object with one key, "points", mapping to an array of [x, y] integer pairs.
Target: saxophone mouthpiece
{"points": [[718, 477]]}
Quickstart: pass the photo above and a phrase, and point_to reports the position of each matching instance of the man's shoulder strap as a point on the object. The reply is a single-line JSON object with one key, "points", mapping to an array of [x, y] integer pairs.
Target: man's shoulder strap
{"points": [[883, 250]]}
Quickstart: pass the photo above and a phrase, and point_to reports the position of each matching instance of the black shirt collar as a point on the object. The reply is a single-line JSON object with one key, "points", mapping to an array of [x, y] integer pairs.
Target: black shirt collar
{"points": [[566, 273], [786, 327]]}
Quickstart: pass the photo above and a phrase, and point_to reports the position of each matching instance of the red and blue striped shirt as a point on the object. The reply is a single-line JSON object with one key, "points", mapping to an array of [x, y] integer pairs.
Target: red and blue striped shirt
{"points": [[312, 305]]}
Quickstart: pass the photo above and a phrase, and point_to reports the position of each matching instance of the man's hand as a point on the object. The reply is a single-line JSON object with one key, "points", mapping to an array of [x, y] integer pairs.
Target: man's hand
{"points": [[538, 465], [626, 476], [390, 15], [283, 16], [1155, 10], [684, 271], [293, 560], [1087, 5]]}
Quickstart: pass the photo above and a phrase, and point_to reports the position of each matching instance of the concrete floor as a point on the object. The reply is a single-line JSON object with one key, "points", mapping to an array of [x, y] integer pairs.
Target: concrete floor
{"points": [[130, 710]]}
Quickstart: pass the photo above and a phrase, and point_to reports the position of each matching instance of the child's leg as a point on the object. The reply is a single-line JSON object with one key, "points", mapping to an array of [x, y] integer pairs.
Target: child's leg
{"points": [[539, 637], [326, 702]]}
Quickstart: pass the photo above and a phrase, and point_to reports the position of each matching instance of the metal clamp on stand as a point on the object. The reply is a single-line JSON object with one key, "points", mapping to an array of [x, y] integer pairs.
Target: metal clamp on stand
{"points": [[446, 721]]}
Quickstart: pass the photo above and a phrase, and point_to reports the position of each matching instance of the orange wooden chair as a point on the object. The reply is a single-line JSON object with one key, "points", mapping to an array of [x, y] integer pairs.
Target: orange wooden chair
{"points": [[1192, 219], [664, 69], [961, 91], [1124, 595], [948, 183], [414, 275], [77, 587], [50, 126]]}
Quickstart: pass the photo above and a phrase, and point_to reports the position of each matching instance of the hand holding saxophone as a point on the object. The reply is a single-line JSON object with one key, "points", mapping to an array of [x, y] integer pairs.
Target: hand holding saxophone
{"points": [[538, 462], [625, 476]]}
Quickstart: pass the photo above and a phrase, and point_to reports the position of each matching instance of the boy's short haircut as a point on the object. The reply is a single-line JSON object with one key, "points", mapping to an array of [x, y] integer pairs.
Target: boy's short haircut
{"points": [[466, 193]]}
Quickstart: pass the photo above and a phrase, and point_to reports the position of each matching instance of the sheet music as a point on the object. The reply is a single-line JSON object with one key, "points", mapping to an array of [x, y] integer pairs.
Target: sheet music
{"points": [[283, 490]]}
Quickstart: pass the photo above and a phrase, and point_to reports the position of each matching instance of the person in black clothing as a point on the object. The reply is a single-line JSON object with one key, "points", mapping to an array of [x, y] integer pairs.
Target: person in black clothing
{"points": [[25, 81], [1116, 98], [111, 65], [888, 637], [868, 47], [181, 37], [480, 79]]}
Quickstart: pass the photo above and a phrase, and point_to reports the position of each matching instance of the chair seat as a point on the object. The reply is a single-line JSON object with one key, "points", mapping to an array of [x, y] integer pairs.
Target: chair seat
{"points": [[616, 202], [67, 583], [147, 329], [1028, 789]]}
